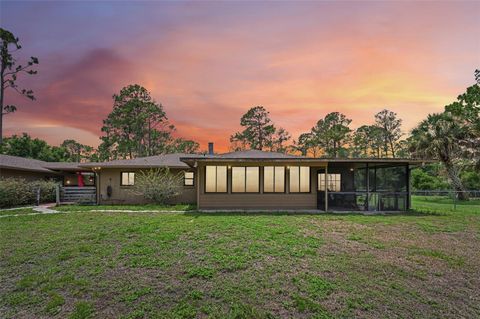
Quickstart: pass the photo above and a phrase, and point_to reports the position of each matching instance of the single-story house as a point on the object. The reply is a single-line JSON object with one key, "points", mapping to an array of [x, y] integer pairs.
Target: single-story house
{"points": [[258, 180], [244, 180]]}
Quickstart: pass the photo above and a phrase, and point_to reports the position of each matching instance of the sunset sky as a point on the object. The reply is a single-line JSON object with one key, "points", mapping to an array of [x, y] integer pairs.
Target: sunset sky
{"points": [[209, 62]]}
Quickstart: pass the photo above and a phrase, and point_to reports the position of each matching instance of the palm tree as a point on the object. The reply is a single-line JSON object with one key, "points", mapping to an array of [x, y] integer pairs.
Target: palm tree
{"points": [[438, 137]]}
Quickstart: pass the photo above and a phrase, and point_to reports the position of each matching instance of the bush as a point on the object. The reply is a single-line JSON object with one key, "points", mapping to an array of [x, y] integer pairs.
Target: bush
{"points": [[19, 192], [158, 185]]}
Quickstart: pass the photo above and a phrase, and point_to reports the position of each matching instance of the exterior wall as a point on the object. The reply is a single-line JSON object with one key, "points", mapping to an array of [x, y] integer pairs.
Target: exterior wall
{"points": [[123, 194], [27, 175], [247, 201]]}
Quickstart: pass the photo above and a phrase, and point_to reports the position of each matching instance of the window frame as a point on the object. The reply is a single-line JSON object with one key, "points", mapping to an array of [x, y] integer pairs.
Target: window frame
{"points": [[216, 180], [284, 180], [121, 178], [245, 181], [188, 178], [329, 175], [300, 180]]}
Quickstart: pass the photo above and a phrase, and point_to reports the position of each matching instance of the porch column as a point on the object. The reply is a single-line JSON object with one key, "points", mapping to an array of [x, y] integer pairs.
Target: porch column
{"points": [[326, 188], [409, 191], [368, 187]]}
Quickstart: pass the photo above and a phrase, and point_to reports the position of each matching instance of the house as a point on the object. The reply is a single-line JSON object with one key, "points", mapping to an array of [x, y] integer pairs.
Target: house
{"points": [[69, 174], [258, 180], [26, 168], [244, 180]]}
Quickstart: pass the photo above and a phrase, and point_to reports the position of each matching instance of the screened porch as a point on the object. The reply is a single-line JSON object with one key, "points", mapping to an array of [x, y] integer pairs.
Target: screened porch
{"points": [[364, 187]]}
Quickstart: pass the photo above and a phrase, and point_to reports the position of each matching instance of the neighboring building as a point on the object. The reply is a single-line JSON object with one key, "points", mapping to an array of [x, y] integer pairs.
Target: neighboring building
{"points": [[245, 180], [26, 168]]}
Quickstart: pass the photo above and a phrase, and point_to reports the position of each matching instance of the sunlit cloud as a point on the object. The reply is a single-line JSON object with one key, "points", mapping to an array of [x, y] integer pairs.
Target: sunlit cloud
{"points": [[207, 63]]}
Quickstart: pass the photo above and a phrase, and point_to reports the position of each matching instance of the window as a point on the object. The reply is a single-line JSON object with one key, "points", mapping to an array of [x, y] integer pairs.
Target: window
{"points": [[128, 179], [299, 179], [245, 179], [188, 179], [215, 179], [274, 179], [334, 183]]}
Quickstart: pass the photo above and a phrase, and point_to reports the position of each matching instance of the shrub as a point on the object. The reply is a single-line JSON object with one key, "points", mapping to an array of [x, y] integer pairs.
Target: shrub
{"points": [[158, 185], [19, 192]]}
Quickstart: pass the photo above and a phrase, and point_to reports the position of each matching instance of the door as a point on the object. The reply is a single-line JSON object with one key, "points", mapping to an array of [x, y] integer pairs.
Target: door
{"points": [[321, 189]]}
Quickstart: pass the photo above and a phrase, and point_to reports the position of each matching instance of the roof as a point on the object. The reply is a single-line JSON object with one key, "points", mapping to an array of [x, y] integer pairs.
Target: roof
{"points": [[169, 160], [256, 155], [64, 166], [23, 164]]}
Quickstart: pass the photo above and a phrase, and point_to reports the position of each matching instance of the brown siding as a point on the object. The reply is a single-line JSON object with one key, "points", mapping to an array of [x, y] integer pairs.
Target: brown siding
{"points": [[276, 201], [123, 194]]}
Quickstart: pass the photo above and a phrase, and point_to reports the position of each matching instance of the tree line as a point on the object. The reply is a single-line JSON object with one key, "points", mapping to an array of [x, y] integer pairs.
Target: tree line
{"points": [[330, 137]]}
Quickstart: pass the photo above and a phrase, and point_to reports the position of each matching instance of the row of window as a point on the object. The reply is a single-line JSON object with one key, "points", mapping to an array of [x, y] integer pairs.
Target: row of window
{"points": [[128, 179], [247, 179]]}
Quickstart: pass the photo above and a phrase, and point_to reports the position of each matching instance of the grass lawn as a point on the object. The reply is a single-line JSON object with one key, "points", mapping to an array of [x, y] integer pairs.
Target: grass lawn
{"points": [[17, 211], [148, 207], [187, 265]]}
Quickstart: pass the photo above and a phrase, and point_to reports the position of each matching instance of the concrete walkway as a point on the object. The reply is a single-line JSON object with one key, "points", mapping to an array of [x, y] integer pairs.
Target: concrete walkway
{"points": [[39, 210]]}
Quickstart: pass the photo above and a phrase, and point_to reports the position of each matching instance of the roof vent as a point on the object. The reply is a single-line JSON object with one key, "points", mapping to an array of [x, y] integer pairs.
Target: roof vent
{"points": [[210, 148]]}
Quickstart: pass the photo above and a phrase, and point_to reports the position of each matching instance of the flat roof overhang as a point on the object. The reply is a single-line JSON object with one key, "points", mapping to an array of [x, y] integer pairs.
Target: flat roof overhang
{"points": [[321, 162], [98, 166]]}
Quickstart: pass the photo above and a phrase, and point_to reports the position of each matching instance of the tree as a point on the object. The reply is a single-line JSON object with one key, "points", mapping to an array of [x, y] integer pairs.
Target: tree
{"points": [[258, 130], [306, 145], [181, 145], [76, 152], [25, 146], [137, 126], [332, 133], [278, 139], [466, 111], [367, 141], [158, 185], [9, 71], [437, 137], [391, 130]]}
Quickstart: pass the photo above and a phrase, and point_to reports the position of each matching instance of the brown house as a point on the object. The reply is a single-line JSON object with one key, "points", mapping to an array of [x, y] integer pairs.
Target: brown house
{"points": [[257, 180], [245, 180]]}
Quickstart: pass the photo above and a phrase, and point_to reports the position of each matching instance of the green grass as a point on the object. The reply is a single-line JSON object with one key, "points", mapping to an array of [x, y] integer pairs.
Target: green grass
{"points": [[17, 211], [444, 205], [230, 265], [149, 207]]}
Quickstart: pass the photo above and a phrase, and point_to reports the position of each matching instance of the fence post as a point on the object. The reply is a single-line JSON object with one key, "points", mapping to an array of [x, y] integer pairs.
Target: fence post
{"points": [[38, 196], [455, 200], [57, 194]]}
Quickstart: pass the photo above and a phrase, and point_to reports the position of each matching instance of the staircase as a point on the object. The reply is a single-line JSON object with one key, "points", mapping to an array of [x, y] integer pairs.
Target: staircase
{"points": [[78, 195]]}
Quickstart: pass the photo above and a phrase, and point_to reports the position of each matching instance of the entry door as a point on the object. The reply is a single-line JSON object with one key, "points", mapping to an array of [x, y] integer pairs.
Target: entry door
{"points": [[321, 189]]}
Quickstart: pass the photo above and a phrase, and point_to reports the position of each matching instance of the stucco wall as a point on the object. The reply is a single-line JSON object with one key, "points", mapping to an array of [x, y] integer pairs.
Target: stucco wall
{"points": [[124, 195], [276, 201]]}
